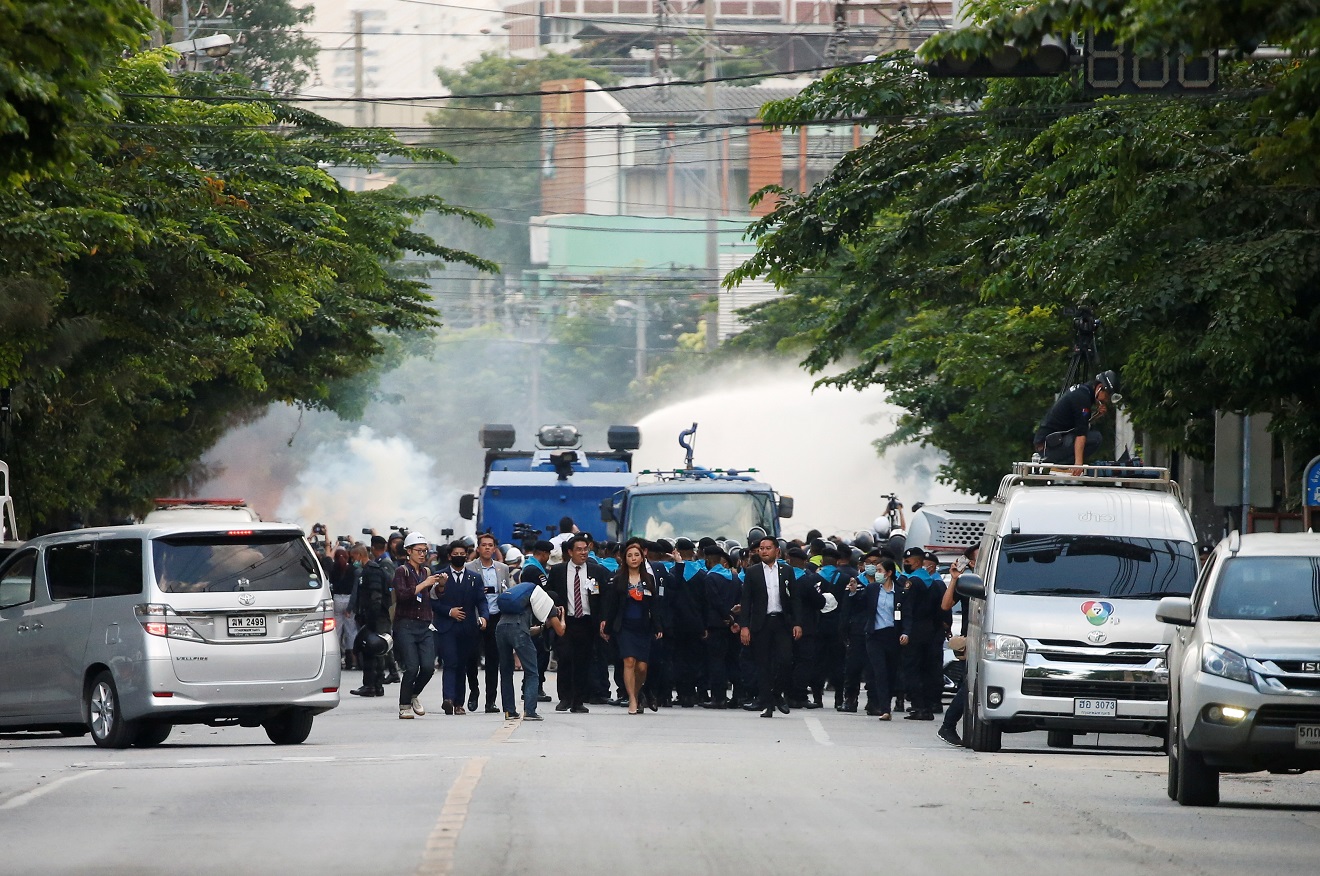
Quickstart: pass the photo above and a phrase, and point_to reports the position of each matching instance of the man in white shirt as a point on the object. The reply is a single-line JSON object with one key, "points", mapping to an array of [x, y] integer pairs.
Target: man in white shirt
{"points": [[577, 592], [495, 580], [768, 625]]}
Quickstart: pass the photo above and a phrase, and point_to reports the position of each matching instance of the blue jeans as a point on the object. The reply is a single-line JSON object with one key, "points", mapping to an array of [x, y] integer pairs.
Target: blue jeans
{"points": [[513, 638], [415, 650]]}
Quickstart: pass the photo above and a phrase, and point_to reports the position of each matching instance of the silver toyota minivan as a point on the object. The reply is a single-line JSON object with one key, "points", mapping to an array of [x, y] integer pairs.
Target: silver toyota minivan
{"points": [[125, 631]]}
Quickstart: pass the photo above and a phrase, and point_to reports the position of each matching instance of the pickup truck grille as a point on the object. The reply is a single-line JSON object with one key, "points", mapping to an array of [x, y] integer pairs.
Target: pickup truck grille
{"points": [[1288, 714]]}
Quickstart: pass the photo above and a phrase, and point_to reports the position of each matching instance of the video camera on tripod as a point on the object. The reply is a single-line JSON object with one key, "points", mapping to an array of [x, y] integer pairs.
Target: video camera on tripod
{"points": [[525, 535]]}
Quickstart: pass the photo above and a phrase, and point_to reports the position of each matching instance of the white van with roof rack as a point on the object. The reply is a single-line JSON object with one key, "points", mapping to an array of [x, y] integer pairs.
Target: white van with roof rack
{"points": [[1062, 634], [128, 630]]}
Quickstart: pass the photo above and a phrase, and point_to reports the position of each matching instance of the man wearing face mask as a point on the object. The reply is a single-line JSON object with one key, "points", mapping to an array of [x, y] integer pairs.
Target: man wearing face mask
{"points": [[461, 615]]}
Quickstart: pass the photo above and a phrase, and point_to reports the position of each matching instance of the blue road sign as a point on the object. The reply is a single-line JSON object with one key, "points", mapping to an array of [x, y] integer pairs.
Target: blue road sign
{"points": [[1311, 482]]}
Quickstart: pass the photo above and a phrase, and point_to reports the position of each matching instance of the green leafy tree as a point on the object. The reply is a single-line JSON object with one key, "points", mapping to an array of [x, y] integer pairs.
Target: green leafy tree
{"points": [[51, 55], [199, 265], [276, 54], [946, 250]]}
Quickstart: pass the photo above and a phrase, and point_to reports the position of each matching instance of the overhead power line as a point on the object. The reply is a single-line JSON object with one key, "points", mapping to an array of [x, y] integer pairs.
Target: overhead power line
{"points": [[642, 86]]}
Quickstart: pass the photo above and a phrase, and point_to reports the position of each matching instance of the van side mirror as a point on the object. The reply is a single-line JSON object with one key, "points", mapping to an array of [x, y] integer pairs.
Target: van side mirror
{"points": [[785, 507], [607, 509], [970, 585], [467, 504], [1176, 610]]}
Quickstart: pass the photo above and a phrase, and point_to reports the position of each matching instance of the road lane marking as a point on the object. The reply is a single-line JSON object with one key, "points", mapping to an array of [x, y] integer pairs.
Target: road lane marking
{"points": [[505, 731], [818, 731], [29, 796], [438, 858]]}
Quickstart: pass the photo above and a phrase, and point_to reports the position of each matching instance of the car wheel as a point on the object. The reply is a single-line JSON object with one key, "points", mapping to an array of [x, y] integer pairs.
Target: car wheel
{"points": [[104, 717], [289, 728], [983, 736], [1059, 738], [151, 735], [1196, 783]]}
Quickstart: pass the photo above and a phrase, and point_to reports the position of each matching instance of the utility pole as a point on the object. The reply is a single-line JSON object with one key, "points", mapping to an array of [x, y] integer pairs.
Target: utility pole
{"points": [[157, 8], [359, 108], [639, 318], [712, 190]]}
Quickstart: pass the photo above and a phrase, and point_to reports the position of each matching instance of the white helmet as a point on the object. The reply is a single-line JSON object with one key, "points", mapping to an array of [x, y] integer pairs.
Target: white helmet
{"points": [[414, 538], [881, 527], [512, 556]]}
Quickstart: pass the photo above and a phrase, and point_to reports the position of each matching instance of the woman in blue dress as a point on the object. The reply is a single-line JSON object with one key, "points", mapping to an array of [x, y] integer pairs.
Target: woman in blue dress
{"points": [[631, 617]]}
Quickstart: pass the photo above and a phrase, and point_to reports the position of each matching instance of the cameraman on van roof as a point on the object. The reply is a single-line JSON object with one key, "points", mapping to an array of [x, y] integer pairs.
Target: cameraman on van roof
{"points": [[1065, 435]]}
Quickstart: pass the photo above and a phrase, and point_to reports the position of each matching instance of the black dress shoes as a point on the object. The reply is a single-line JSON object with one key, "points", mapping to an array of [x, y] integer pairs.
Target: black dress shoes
{"points": [[768, 713], [579, 710], [561, 706], [713, 704], [782, 706]]}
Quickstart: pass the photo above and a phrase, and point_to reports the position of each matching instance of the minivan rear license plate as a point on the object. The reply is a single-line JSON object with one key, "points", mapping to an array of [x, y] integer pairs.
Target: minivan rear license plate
{"points": [[1308, 735], [244, 625], [1089, 708]]}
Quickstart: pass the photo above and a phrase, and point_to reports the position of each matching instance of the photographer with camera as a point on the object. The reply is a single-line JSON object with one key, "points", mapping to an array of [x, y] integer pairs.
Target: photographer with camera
{"points": [[375, 598], [413, 585], [1065, 435]]}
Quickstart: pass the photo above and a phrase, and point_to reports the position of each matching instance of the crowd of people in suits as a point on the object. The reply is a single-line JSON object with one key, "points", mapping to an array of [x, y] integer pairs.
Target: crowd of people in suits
{"points": [[646, 625]]}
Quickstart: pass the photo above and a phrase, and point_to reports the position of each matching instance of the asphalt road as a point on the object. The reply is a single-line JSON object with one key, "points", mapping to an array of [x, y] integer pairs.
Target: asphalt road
{"points": [[679, 791]]}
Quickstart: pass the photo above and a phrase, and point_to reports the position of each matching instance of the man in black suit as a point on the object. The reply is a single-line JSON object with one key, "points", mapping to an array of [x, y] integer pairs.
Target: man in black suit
{"points": [[768, 624], [576, 587]]}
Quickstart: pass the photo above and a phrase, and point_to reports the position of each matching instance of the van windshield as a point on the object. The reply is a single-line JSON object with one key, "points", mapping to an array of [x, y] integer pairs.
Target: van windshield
{"points": [[1268, 588], [1090, 565], [215, 562]]}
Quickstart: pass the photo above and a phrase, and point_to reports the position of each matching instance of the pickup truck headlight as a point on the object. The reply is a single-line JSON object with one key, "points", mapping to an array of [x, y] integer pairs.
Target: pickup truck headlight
{"points": [[1224, 663], [1010, 649]]}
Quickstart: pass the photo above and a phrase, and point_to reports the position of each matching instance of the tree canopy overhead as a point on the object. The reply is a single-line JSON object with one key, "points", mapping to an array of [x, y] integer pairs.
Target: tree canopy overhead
{"points": [[941, 256], [196, 262]]}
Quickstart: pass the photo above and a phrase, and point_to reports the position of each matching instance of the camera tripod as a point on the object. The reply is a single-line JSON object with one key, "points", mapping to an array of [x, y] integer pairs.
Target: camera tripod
{"points": [[1084, 361]]}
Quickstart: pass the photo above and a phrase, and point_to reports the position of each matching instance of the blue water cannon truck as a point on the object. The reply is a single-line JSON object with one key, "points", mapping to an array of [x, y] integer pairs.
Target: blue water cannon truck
{"points": [[527, 492]]}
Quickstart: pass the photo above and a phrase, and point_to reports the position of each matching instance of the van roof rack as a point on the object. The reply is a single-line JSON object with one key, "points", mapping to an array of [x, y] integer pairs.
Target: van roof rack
{"points": [[1142, 477]]}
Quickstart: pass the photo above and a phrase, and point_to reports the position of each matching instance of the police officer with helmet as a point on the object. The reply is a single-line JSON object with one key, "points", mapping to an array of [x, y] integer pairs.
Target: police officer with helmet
{"points": [[1065, 436]]}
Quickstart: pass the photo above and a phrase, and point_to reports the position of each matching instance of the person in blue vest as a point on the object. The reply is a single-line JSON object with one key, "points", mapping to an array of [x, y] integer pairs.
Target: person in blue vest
{"points": [[461, 615], [659, 685], [723, 591], [685, 598], [535, 570], [832, 631], [809, 602], [921, 634]]}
